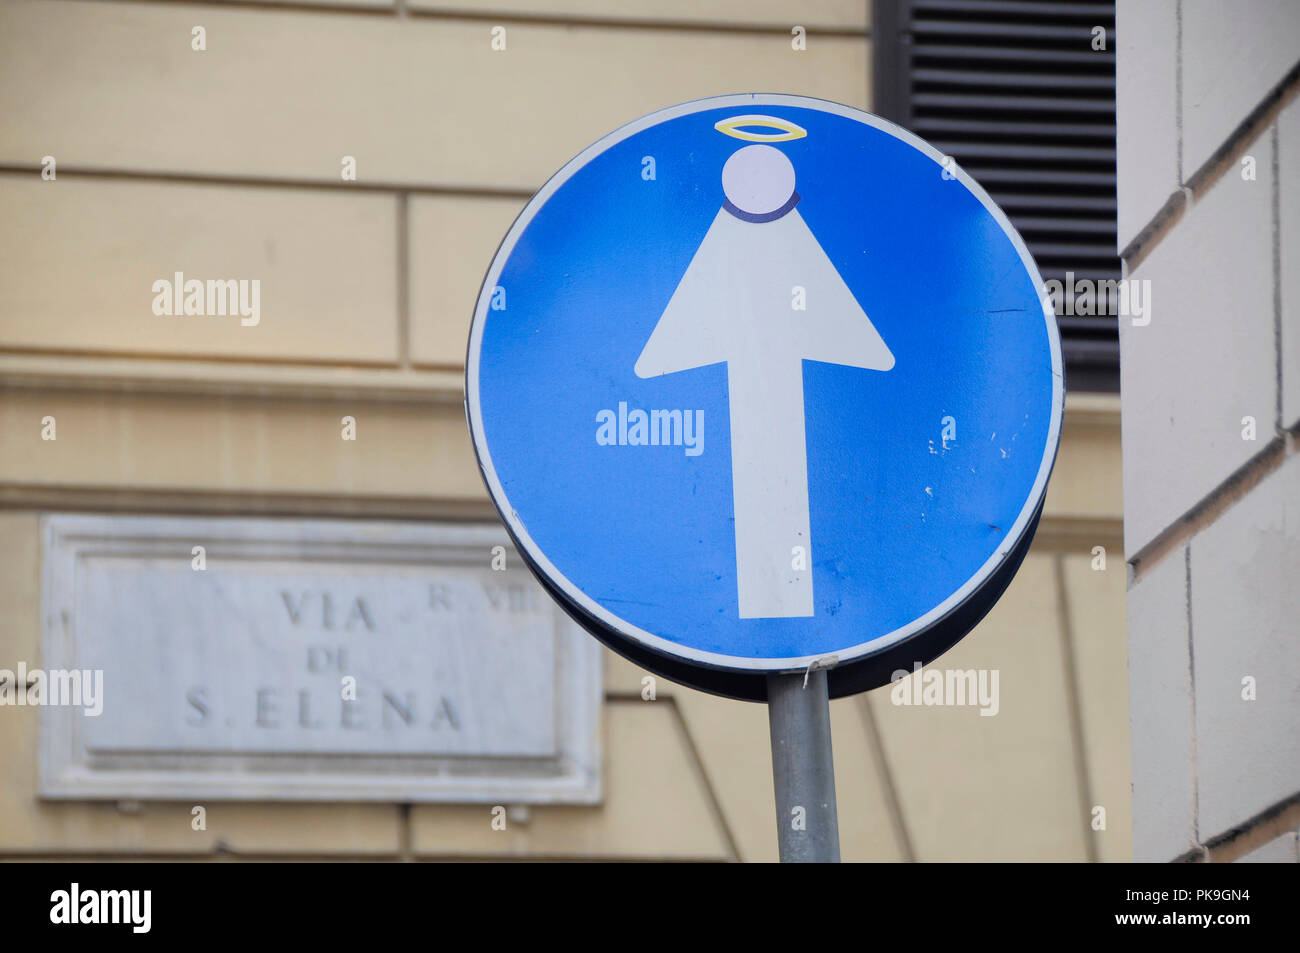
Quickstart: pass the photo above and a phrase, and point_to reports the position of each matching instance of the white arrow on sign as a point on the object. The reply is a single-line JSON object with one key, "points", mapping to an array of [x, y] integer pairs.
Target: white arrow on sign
{"points": [[739, 303]]}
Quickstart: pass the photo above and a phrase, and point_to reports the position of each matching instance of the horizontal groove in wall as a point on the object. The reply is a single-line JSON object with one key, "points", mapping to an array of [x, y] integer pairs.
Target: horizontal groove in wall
{"points": [[101, 499], [1217, 502], [267, 182], [255, 381], [187, 377], [1213, 170], [395, 9]]}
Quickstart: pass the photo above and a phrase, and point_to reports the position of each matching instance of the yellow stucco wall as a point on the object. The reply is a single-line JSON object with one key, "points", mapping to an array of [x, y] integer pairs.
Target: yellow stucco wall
{"points": [[226, 162]]}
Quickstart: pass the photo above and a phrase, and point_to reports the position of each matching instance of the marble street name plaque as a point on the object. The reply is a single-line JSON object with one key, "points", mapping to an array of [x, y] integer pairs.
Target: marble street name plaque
{"points": [[294, 659]]}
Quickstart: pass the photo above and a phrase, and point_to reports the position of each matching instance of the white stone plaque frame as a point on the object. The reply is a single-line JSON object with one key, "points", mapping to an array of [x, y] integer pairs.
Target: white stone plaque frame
{"points": [[224, 683]]}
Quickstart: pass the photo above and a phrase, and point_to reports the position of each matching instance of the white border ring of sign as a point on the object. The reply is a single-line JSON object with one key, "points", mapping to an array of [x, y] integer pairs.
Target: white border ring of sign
{"points": [[863, 666]]}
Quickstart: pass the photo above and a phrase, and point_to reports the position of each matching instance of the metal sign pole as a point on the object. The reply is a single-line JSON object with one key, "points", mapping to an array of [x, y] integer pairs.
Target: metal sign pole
{"points": [[803, 771], [787, 474]]}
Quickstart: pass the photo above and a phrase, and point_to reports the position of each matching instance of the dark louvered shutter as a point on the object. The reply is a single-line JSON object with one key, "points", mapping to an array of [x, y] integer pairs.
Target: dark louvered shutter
{"points": [[1015, 92]]}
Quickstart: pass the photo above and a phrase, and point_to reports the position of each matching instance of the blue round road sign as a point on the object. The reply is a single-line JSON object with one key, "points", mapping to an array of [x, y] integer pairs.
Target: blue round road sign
{"points": [[763, 381]]}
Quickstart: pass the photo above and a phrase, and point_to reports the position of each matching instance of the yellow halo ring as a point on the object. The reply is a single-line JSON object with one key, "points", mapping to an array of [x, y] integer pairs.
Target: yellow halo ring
{"points": [[786, 129]]}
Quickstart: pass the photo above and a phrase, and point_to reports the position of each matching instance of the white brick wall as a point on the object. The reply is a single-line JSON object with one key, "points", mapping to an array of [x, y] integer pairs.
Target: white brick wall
{"points": [[1245, 620], [1206, 360], [1212, 520], [1160, 713], [1280, 850], [1288, 164], [1233, 55], [1146, 115]]}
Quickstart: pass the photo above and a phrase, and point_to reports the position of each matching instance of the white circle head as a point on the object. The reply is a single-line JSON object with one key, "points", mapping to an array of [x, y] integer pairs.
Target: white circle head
{"points": [[758, 179]]}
